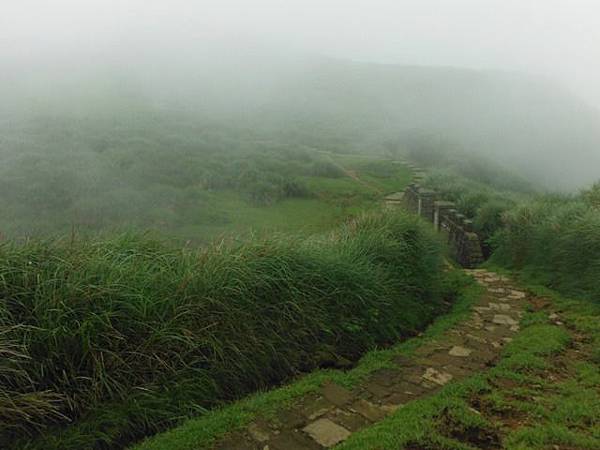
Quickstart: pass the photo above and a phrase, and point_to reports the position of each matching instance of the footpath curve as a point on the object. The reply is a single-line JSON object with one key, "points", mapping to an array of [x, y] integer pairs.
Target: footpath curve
{"points": [[329, 417]]}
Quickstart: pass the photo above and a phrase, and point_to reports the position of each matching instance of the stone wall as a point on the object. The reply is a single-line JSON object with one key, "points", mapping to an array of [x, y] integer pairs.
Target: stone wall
{"points": [[464, 243]]}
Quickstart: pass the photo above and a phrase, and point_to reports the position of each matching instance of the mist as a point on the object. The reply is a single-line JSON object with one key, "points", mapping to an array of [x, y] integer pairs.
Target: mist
{"points": [[555, 38], [90, 86], [296, 224]]}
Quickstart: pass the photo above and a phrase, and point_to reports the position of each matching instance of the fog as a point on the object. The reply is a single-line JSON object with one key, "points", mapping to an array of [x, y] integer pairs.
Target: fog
{"points": [[201, 200], [556, 38], [87, 86]]}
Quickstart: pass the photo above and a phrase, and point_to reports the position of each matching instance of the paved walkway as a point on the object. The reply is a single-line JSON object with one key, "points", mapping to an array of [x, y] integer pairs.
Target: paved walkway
{"points": [[325, 419]]}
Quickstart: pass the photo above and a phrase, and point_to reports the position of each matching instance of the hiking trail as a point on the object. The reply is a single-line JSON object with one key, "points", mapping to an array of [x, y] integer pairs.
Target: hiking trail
{"points": [[322, 420]]}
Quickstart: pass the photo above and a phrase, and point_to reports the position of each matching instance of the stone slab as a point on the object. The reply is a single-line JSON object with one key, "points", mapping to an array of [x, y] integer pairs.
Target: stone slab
{"points": [[368, 410], [437, 377], [336, 394], [503, 319], [459, 351], [326, 432], [350, 420], [293, 440], [316, 408]]}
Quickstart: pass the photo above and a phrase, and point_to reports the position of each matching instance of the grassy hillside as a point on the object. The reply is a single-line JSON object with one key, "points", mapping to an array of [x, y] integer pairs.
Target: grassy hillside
{"points": [[105, 341], [191, 180], [529, 124]]}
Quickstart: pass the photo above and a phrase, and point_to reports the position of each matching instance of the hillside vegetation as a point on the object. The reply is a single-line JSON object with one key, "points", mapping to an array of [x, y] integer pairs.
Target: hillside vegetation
{"points": [[109, 334], [108, 340], [535, 127], [553, 239], [194, 181]]}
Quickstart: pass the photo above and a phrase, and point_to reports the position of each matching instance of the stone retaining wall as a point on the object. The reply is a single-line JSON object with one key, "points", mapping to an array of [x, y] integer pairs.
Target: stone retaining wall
{"points": [[464, 243]]}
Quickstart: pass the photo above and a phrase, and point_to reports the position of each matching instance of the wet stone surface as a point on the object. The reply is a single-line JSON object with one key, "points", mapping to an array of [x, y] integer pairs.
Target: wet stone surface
{"points": [[459, 351], [326, 432]]}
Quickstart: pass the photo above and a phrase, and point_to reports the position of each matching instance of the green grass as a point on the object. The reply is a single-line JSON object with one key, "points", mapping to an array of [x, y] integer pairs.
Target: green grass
{"points": [[202, 432], [338, 188], [228, 213], [552, 237], [240, 218], [544, 412], [128, 336], [556, 240], [335, 200], [194, 182], [385, 175]]}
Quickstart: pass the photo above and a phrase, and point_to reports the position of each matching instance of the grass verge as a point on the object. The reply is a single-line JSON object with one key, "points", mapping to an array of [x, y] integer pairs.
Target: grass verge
{"points": [[202, 432], [542, 394], [120, 338]]}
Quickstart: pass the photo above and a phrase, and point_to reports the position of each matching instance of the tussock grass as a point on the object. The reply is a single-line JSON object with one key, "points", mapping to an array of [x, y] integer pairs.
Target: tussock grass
{"points": [[202, 432], [555, 239], [483, 203], [124, 336]]}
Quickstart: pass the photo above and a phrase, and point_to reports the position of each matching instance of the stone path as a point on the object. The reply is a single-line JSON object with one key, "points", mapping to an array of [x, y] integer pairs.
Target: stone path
{"points": [[394, 200], [352, 174], [324, 419]]}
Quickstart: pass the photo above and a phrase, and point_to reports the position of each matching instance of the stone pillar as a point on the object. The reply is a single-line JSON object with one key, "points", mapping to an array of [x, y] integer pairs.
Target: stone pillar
{"points": [[411, 197], [472, 252], [468, 225], [427, 198], [440, 210], [463, 242]]}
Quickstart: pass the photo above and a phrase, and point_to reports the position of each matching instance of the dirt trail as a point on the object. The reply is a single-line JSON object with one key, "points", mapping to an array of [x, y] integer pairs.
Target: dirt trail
{"points": [[352, 174], [325, 419]]}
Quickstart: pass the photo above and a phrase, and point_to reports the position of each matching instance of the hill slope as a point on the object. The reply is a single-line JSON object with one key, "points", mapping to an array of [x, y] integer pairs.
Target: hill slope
{"points": [[528, 123]]}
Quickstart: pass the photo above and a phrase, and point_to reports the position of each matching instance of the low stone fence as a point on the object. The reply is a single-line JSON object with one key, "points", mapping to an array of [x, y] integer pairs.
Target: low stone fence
{"points": [[464, 243]]}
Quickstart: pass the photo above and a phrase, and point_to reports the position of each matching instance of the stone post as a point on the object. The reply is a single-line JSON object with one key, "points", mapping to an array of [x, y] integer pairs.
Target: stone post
{"points": [[441, 209], [472, 252], [426, 200], [463, 242]]}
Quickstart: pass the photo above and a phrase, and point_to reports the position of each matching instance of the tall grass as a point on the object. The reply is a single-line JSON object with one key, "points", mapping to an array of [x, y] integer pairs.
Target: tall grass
{"points": [[553, 237], [118, 338], [556, 239], [480, 202], [21, 405]]}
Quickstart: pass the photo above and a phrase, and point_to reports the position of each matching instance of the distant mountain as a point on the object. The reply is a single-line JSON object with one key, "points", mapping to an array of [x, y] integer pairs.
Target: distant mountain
{"points": [[527, 123], [530, 124]]}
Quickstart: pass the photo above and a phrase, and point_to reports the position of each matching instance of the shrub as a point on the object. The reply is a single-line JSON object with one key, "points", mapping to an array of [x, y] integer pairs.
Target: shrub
{"points": [[295, 189], [326, 168], [592, 195], [263, 192], [556, 238], [481, 203]]}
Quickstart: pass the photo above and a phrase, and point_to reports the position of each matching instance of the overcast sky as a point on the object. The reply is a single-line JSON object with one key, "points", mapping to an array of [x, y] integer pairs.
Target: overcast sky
{"points": [[557, 38]]}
